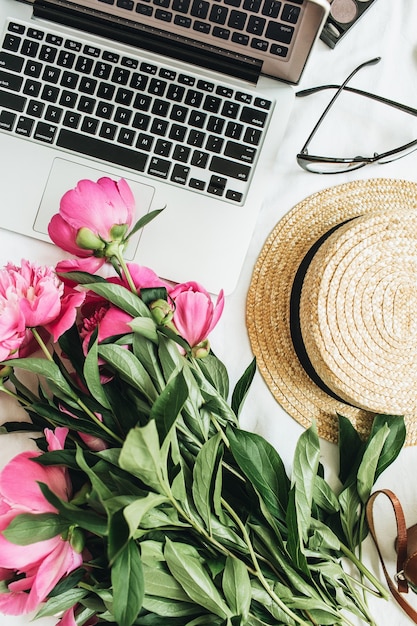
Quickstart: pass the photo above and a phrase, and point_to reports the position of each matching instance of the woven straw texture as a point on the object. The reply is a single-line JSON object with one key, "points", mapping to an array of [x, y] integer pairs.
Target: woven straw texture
{"points": [[356, 307]]}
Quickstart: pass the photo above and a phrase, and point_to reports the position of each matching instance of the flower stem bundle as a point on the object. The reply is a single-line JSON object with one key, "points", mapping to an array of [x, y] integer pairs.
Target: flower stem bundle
{"points": [[163, 508]]}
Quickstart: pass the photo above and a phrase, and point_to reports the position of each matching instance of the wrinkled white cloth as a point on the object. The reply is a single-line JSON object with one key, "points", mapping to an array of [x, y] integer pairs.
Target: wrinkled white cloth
{"points": [[357, 126]]}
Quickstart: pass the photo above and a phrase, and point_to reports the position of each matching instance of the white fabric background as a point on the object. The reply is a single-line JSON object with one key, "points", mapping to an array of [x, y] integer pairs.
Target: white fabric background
{"points": [[387, 30]]}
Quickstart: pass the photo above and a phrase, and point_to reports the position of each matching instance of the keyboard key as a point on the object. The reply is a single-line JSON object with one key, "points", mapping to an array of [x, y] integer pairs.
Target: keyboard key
{"points": [[229, 168], [35, 108], [10, 81], [290, 13], [196, 183], [271, 8], [163, 147], [279, 32], [253, 116], [200, 9], [45, 132], [240, 152], [89, 125], [217, 185], [29, 48], [11, 42], [103, 150], [32, 88], [24, 126], [7, 120], [72, 120], [180, 174], [108, 131], [159, 167]]}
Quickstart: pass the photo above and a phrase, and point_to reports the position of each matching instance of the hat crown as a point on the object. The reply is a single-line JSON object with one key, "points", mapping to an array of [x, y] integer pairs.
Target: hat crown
{"points": [[357, 311]]}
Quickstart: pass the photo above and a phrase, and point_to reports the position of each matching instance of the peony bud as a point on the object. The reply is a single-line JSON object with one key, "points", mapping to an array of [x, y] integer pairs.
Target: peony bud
{"points": [[201, 350], [161, 312], [88, 240], [76, 539], [118, 232]]}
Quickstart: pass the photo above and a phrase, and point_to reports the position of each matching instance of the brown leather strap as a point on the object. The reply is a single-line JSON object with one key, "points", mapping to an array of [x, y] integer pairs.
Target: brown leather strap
{"points": [[401, 547]]}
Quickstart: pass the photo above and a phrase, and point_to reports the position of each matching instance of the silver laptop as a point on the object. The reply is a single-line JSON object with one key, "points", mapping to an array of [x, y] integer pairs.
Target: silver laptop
{"points": [[185, 99]]}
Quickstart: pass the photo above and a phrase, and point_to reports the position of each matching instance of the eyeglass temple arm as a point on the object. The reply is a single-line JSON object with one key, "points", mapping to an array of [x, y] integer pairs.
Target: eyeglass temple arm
{"points": [[392, 103], [336, 95]]}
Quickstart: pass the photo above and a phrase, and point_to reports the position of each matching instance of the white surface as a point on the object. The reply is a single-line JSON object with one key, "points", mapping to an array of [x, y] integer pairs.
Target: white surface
{"points": [[387, 30]]}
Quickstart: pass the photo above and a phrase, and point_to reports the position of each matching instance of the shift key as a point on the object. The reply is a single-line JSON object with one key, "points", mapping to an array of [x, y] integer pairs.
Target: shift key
{"points": [[229, 168]]}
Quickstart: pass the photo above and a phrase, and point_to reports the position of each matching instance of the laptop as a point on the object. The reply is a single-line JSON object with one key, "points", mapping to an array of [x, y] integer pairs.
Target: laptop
{"points": [[185, 99]]}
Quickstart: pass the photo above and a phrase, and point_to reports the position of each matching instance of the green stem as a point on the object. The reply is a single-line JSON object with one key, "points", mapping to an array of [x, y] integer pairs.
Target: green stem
{"points": [[98, 422], [258, 570], [364, 570], [126, 272], [14, 395], [42, 344]]}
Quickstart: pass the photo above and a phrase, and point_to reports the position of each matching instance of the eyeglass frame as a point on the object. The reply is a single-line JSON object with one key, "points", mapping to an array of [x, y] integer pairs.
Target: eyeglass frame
{"points": [[303, 158]]}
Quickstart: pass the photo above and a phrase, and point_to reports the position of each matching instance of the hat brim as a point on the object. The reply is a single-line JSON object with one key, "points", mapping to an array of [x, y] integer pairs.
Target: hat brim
{"points": [[268, 302]]}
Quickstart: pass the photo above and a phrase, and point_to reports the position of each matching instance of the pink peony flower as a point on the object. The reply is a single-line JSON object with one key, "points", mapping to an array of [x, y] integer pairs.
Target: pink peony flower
{"points": [[32, 572], [195, 316], [93, 216], [32, 296], [110, 320]]}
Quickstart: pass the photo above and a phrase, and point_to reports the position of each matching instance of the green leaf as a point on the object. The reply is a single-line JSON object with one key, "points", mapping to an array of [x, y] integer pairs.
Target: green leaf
{"points": [[135, 511], [304, 472], [262, 465], [28, 528], [144, 326], [215, 371], [351, 449], [237, 587], [393, 443], [205, 469], [168, 404], [367, 468], [130, 369], [122, 298], [86, 519], [185, 565], [92, 376], [242, 387], [324, 496], [159, 582], [350, 513], [145, 219], [141, 456], [295, 540], [57, 604], [128, 585], [47, 369], [322, 538]]}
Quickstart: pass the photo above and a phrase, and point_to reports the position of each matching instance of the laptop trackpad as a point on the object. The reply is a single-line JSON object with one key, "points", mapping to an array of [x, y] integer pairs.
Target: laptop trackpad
{"points": [[64, 175]]}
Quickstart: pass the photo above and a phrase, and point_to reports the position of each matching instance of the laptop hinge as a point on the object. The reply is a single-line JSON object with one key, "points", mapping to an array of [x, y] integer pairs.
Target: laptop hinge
{"points": [[152, 39]]}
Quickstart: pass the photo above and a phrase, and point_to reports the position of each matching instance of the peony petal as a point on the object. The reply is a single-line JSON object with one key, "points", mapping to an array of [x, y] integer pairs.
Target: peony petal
{"points": [[22, 558], [19, 478], [64, 236], [60, 562]]}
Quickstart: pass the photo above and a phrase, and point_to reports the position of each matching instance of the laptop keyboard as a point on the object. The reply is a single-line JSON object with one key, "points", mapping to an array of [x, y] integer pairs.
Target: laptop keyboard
{"points": [[95, 101], [266, 26]]}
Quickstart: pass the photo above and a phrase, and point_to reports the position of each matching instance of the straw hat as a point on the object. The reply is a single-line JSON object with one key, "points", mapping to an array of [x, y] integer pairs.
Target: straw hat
{"points": [[332, 307]]}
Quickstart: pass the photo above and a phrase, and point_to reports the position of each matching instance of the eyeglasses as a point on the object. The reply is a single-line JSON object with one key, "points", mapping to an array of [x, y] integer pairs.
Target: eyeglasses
{"points": [[334, 165]]}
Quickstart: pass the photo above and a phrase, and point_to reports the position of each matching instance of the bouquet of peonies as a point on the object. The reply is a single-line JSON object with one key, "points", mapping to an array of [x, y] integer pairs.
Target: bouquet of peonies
{"points": [[145, 502]]}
